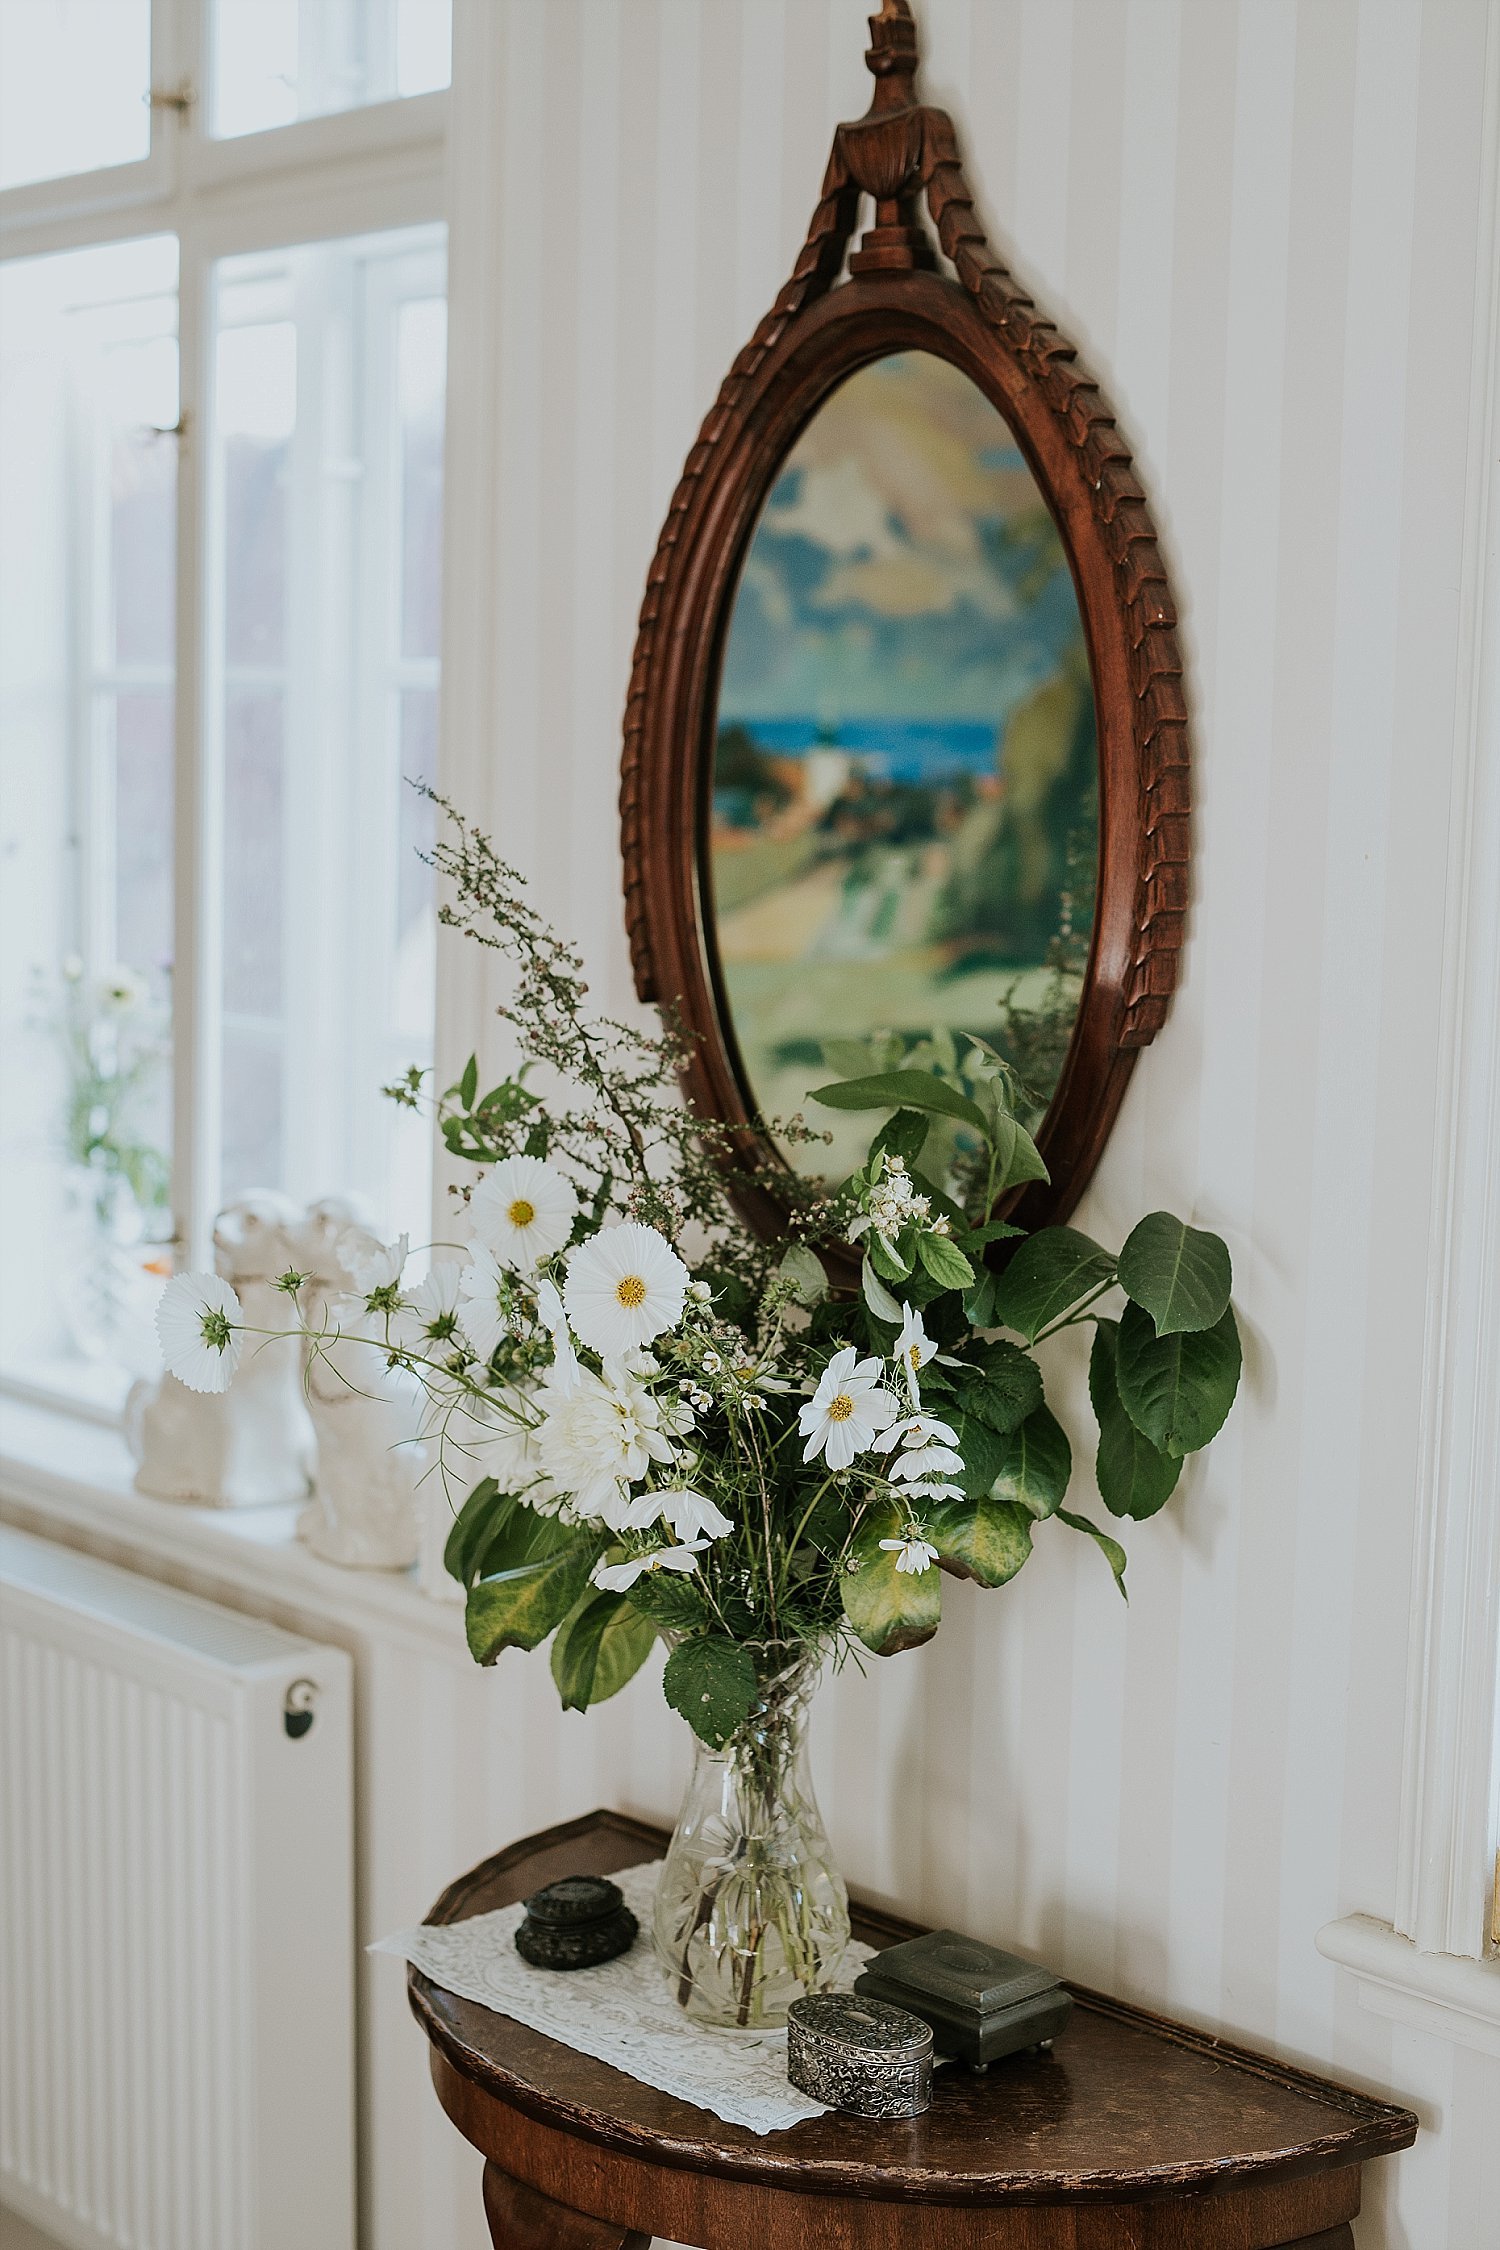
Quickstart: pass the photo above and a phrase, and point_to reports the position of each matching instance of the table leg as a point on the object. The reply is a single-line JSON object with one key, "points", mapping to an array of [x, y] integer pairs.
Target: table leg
{"points": [[521, 2218]]}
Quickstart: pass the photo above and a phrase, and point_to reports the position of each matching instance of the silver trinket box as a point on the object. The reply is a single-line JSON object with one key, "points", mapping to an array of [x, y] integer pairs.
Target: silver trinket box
{"points": [[861, 2056]]}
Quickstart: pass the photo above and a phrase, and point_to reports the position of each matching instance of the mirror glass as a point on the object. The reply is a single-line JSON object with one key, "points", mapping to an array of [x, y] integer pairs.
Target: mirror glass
{"points": [[904, 821]]}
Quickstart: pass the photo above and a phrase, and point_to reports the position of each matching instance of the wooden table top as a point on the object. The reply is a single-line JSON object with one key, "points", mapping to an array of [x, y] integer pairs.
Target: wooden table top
{"points": [[1127, 2106]]}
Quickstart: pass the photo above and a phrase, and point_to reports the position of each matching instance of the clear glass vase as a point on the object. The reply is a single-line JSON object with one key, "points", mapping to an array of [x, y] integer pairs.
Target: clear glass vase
{"points": [[751, 1911]]}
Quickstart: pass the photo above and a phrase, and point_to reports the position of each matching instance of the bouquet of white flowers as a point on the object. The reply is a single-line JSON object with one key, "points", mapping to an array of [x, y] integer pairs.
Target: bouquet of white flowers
{"points": [[761, 1451]]}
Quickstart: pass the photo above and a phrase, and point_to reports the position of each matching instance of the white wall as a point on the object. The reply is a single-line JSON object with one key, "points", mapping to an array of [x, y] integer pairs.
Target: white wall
{"points": [[1260, 221]]}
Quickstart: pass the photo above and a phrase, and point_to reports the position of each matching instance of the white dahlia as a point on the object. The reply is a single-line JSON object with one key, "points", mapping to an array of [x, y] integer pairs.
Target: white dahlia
{"points": [[848, 1410], [522, 1212], [624, 1288], [196, 1318], [597, 1437]]}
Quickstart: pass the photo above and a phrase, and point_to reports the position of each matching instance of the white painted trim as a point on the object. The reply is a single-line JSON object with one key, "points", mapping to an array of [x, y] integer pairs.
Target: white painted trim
{"points": [[1449, 1795], [1437, 1992], [69, 1480]]}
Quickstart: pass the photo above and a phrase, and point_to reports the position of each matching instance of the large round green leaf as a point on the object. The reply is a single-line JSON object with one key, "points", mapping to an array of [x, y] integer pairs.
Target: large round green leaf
{"points": [[889, 1609], [1036, 1465], [1050, 1273], [999, 1384], [987, 1540], [601, 1643], [1180, 1274], [1134, 1478], [711, 1681], [1177, 1389]]}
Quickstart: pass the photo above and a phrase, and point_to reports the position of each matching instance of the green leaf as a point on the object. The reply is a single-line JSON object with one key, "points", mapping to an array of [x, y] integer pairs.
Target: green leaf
{"points": [[994, 1230], [1002, 1385], [1178, 1389], [1047, 1276], [1135, 1479], [519, 1608], [600, 1644], [903, 1089], [803, 1268], [483, 1516], [979, 1302], [1037, 1464], [947, 1265], [983, 1451], [886, 1260], [672, 1601], [888, 1609], [1180, 1274], [1110, 1549], [1018, 1156], [468, 1085], [904, 1135], [711, 1681], [879, 1299], [987, 1539]]}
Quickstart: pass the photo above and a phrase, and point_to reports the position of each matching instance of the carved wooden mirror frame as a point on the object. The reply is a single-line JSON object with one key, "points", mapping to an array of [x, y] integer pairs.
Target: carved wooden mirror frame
{"points": [[819, 331]]}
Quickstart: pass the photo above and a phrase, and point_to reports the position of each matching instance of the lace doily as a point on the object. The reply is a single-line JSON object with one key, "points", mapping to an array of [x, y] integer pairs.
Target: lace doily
{"points": [[622, 2013]]}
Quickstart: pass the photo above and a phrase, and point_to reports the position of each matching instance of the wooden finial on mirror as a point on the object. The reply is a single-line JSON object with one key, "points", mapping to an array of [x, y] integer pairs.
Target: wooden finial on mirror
{"points": [[883, 149]]}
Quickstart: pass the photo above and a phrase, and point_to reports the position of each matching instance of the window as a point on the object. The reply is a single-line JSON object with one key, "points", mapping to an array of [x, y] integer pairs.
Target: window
{"points": [[221, 429]]}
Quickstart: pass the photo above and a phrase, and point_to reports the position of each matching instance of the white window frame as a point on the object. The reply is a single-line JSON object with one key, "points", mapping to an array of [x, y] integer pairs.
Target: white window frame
{"points": [[356, 172]]}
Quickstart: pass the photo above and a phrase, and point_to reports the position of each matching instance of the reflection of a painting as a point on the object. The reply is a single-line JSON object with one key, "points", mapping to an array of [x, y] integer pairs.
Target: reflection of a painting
{"points": [[905, 812]]}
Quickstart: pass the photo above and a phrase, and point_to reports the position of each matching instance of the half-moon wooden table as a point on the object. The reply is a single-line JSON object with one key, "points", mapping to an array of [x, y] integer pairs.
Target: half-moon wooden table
{"points": [[1134, 2134]]}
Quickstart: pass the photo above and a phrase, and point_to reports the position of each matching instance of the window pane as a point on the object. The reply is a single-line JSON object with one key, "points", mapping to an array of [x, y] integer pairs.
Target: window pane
{"points": [[74, 77], [278, 60], [327, 533], [88, 386]]}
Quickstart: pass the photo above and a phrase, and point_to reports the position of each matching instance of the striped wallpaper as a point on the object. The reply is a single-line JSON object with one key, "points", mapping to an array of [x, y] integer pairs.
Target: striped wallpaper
{"points": [[1259, 218]]}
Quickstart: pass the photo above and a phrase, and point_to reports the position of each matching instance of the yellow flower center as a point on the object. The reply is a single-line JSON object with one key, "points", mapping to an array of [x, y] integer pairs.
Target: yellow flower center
{"points": [[840, 1408], [914, 1354], [521, 1213], [631, 1291]]}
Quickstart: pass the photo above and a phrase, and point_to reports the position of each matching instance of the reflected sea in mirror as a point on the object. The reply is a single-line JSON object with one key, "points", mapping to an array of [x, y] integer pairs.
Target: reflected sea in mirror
{"points": [[904, 812]]}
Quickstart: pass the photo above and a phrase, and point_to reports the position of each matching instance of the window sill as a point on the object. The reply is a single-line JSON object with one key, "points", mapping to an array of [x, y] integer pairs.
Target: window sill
{"points": [[1449, 1996], [70, 1479]]}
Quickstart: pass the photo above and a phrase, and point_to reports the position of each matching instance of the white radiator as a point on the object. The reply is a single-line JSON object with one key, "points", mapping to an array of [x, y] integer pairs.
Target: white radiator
{"points": [[176, 1917]]}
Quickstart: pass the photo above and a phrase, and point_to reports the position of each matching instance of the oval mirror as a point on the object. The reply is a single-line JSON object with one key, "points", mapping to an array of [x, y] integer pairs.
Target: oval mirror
{"points": [[904, 820], [906, 745]]}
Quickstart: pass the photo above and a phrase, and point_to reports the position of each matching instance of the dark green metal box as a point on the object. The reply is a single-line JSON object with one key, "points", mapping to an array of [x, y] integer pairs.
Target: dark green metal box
{"points": [[982, 2004]]}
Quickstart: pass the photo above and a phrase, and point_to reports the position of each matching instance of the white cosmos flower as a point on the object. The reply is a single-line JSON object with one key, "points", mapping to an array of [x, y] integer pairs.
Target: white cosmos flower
{"points": [[913, 1349], [196, 1318], [565, 1370], [428, 1314], [913, 1554], [927, 1461], [484, 1301], [617, 1578], [625, 1287], [914, 1430], [597, 1437], [371, 1264], [523, 1212], [847, 1411], [934, 1490], [690, 1514]]}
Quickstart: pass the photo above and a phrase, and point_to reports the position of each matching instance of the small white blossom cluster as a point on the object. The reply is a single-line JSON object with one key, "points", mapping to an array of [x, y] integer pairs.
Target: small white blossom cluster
{"points": [[891, 1204]]}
